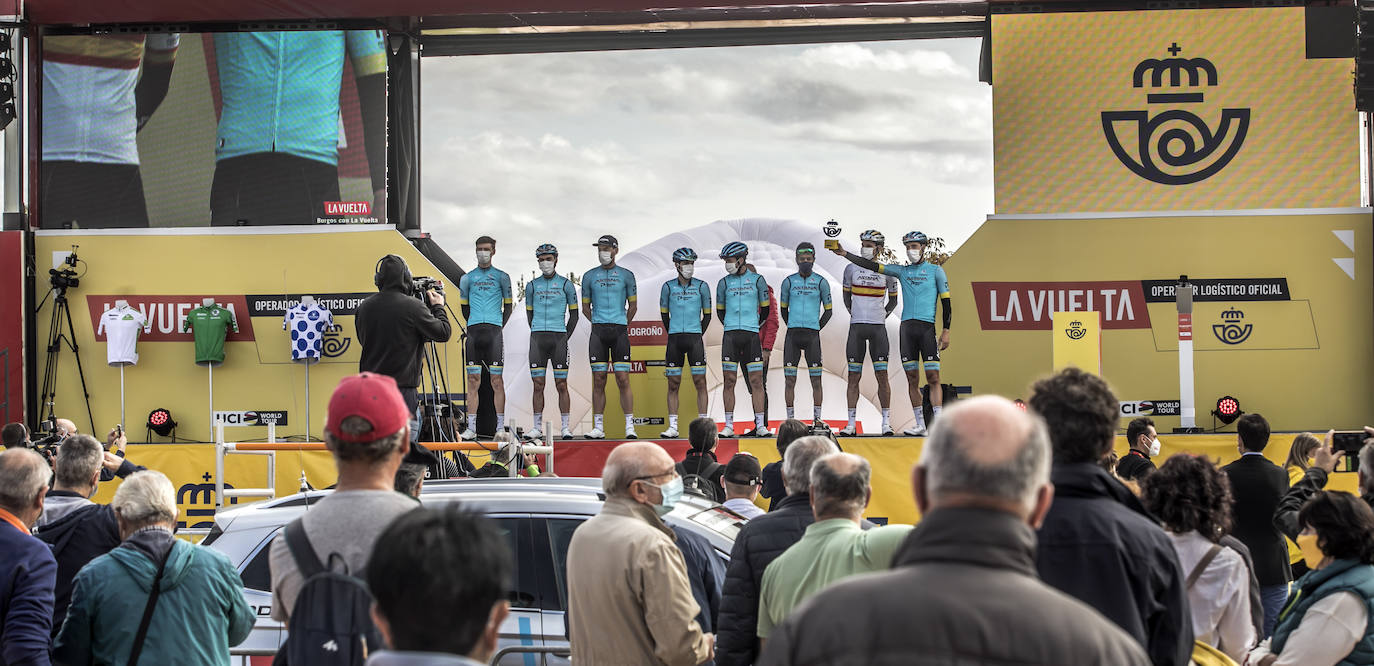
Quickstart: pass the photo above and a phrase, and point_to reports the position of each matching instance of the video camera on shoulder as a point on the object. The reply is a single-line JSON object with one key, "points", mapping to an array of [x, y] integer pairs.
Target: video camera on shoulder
{"points": [[421, 286], [51, 439]]}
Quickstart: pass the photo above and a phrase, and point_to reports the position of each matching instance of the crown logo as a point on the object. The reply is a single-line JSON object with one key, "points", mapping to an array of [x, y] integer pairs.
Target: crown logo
{"points": [[1176, 68], [1076, 324], [1232, 315]]}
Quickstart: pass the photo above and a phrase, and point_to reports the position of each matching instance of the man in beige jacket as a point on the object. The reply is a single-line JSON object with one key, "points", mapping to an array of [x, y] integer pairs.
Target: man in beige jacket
{"points": [[630, 602]]}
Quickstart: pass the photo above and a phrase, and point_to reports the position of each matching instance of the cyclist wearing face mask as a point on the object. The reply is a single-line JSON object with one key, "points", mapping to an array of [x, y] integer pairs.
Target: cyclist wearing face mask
{"points": [[1144, 441], [864, 291], [805, 302], [922, 284], [742, 304], [609, 302], [551, 308], [485, 298], [684, 303]]}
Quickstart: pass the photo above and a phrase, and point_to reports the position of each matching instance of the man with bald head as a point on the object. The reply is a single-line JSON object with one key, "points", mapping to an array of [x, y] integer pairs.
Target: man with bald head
{"points": [[27, 567], [629, 599], [966, 575], [833, 547]]}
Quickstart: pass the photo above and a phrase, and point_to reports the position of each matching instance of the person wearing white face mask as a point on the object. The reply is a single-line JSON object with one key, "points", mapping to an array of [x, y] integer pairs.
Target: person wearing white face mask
{"points": [[922, 284], [652, 621], [864, 294], [1144, 443], [551, 308], [684, 303], [742, 303], [609, 301], [485, 298]]}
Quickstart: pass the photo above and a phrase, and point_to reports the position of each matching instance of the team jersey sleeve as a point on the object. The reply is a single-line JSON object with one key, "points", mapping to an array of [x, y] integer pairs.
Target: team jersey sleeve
{"points": [[631, 289], [505, 288], [286, 320], [705, 298], [783, 296], [328, 319], [463, 289], [233, 321], [144, 322], [720, 294], [941, 282], [367, 50], [101, 326], [663, 298], [825, 293], [529, 295], [161, 48], [587, 288], [848, 280], [186, 323], [892, 285], [570, 294], [761, 286]]}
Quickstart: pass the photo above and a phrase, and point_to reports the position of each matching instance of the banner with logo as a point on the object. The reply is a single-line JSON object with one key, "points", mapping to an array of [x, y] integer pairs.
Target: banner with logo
{"points": [[1078, 341], [1204, 109], [1283, 306], [257, 277]]}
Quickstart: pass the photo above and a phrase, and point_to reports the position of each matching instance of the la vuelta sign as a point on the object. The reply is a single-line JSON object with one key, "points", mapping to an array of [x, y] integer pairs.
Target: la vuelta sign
{"points": [[1030, 306]]}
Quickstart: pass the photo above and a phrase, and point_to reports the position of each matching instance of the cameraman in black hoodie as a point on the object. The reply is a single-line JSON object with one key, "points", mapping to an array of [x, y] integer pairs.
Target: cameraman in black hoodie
{"points": [[393, 328]]}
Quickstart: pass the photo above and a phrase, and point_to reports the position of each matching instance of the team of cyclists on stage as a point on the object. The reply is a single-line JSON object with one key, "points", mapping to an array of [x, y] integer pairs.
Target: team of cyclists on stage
{"points": [[741, 304]]}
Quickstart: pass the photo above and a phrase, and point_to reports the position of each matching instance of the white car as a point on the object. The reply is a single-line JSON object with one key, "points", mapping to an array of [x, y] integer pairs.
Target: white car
{"points": [[538, 516]]}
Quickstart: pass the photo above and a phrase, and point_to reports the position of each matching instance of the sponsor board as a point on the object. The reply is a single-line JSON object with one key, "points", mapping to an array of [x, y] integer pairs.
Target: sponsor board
{"points": [[1030, 306], [647, 334], [276, 305], [259, 417], [1223, 289], [1133, 408], [166, 314]]}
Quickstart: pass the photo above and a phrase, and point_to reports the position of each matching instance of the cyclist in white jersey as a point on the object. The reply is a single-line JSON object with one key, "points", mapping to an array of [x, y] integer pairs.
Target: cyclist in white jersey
{"points": [[870, 297]]}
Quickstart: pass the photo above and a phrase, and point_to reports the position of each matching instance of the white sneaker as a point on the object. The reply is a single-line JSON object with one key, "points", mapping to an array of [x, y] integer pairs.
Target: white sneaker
{"points": [[567, 433], [727, 433], [888, 431], [915, 431], [762, 431], [630, 432], [670, 433], [534, 434], [468, 435], [848, 431], [596, 433]]}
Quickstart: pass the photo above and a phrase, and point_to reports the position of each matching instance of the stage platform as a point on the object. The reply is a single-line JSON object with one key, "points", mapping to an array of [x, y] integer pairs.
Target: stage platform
{"points": [[191, 467]]}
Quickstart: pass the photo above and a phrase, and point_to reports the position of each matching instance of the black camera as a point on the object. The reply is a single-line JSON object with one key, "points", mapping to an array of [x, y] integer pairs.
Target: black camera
{"points": [[65, 277], [421, 286], [47, 445]]}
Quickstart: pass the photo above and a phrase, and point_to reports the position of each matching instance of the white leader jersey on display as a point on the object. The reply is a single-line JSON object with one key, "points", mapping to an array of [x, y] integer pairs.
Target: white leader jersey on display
{"points": [[121, 327], [307, 324]]}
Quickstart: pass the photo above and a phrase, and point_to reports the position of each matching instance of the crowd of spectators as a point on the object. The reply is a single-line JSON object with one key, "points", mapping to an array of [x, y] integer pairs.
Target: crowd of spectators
{"points": [[1036, 545]]}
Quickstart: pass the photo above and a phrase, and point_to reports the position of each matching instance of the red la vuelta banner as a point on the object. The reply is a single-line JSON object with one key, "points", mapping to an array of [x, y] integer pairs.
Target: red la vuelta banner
{"points": [[1030, 306], [648, 333], [167, 314]]}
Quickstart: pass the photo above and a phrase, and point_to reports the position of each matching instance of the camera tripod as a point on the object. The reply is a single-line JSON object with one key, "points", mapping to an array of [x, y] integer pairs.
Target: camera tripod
{"points": [[56, 339]]}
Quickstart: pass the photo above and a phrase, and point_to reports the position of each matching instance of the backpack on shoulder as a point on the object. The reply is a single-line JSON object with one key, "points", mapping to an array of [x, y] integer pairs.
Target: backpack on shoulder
{"points": [[699, 483], [330, 621]]}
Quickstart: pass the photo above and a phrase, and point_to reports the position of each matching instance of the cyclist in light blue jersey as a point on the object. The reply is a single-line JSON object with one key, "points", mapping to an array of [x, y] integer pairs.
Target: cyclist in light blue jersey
{"points": [[742, 304], [551, 307], [684, 303], [484, 295], [277, 150], [922, 284], [806, 307], [609, 301]]}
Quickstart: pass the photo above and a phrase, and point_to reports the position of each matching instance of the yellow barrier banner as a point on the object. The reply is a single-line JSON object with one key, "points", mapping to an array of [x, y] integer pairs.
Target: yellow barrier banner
{"points": [[1204, 109], [1078, 341]]}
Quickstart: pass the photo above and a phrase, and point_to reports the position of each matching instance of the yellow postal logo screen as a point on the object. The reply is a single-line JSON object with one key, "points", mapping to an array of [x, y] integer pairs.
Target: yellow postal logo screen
{"points": [[1169, 110]]}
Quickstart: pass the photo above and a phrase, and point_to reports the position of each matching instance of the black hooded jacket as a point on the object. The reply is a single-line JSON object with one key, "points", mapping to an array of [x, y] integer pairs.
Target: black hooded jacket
{"points": [[77, 531], [393, 326]]}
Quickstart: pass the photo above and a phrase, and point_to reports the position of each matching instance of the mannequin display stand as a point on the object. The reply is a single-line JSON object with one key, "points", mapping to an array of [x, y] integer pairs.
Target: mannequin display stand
{"points": [[121, 326], [307, 322], [210, 325]]}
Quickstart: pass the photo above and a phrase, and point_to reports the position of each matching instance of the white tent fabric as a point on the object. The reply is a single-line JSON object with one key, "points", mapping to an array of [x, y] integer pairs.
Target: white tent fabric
{"points": [[772, 245]]}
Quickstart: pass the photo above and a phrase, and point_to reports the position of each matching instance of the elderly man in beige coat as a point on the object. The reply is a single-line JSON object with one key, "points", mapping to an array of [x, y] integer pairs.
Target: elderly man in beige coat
{"points": [[630, 602]]}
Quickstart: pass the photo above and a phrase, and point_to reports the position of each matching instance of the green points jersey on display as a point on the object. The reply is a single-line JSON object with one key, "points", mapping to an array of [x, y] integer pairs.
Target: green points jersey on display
{"points": [[210, 325]]}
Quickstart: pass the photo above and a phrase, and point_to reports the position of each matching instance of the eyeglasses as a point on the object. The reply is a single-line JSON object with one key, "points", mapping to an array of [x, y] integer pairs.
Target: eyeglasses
{"points": [[672, 471]]}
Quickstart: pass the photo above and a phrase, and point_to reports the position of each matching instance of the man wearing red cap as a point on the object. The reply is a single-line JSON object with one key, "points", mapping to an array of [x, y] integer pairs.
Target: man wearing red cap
{"points": [[368, 431]]}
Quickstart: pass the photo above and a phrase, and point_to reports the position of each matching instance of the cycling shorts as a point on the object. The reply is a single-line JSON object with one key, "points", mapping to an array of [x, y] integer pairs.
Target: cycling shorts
{"points": [[871, 338], [741, 347], [549, 347], [689, 345], [485, 348], [919, 345], [801, 340], [609, 344]]}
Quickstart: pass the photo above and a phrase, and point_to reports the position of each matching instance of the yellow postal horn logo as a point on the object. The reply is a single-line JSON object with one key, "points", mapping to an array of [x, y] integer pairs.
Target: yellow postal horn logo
{"points": [[1175, 146]]}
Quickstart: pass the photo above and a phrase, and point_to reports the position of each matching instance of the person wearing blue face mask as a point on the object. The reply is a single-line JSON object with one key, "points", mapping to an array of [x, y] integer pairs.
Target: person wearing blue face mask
{"points": [[652, 621]]}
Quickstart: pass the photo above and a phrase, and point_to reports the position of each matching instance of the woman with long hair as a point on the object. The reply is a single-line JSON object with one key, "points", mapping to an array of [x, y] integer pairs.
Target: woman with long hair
{"points": [[1299, 459]]}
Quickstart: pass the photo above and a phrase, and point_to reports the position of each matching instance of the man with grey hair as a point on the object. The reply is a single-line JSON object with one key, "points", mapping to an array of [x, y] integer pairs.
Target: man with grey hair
{"points": [[630, 601], [833, 547], [367, 429], [967, 572], [77, 529], [761, 541], [196, 592], [27, 569]]}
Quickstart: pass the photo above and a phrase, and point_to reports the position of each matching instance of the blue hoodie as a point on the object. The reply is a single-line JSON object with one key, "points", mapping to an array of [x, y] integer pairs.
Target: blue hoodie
{"points": [[200, 610]]}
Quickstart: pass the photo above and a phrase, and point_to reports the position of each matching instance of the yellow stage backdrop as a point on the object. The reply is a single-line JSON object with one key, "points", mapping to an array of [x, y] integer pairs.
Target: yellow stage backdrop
{"points": [[1281, 318], [1169, 110], [258, 273], [192, 467]]}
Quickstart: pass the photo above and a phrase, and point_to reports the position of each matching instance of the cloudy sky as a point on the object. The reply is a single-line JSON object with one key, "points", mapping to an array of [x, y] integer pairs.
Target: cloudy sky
{"points": [[564, 147]]}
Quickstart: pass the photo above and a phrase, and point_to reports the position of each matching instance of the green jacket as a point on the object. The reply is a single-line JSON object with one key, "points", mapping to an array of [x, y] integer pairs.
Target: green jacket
{"points": [[1339, 576], [200, 610]]}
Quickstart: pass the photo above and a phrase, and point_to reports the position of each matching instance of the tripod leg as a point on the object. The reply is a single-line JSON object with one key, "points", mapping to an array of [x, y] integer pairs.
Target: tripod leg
{"points": [[48, 394], [76, 352]]}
